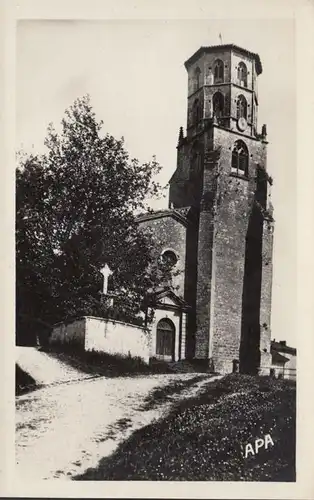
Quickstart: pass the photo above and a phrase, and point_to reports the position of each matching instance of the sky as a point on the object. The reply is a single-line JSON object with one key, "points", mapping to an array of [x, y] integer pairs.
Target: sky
{"points": [[134, 72]]}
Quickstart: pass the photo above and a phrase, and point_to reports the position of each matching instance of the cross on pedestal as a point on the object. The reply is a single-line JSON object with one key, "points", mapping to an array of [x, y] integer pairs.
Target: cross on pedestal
{"points": [[106, 272]]}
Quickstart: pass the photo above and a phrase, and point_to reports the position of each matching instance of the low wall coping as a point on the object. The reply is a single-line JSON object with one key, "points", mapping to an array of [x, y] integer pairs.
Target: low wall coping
{"points": [[68, 322], [105, 320], [112, 320]]}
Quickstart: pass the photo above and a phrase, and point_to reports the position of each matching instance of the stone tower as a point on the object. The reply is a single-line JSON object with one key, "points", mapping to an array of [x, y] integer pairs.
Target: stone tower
{"points": [[221, 173]]}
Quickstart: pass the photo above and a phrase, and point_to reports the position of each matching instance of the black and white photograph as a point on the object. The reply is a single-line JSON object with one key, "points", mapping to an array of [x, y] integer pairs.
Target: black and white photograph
{"points": [[155, 250]]}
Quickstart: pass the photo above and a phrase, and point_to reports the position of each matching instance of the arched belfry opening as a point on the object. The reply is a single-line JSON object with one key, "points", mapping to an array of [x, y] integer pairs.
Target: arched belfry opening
{"points": [[218, 71], [240, 159], [242, 74], [218, 105], [241, 107]]}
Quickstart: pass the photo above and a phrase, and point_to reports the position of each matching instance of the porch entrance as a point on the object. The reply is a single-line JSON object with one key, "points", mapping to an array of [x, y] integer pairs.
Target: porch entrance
{"points": [[165, 340]]}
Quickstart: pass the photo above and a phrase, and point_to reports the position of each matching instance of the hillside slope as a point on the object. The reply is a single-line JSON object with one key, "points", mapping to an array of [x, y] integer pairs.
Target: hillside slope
{"points": [[45, 369], [205, 438]]}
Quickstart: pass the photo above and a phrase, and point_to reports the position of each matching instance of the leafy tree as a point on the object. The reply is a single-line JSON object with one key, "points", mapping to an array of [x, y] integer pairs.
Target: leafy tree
{"points": [[75, 211]]}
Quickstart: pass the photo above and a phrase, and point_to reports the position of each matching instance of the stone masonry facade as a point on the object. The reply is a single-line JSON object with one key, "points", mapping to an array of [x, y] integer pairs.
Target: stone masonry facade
{"points": [[220, 218]]}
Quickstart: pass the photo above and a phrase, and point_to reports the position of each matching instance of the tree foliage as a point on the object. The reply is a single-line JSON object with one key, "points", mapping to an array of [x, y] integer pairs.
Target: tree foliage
{"points": [[75, 211]]}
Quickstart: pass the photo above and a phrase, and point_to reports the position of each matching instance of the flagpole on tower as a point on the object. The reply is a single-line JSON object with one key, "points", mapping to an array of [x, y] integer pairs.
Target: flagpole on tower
{"points": [[220, 38]]}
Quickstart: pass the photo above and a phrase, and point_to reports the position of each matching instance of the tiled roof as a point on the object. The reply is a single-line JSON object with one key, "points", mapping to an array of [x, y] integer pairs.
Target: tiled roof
{"points": [[278, 358], [280, 347], [177, 214], [167, 292], [213, 48]]}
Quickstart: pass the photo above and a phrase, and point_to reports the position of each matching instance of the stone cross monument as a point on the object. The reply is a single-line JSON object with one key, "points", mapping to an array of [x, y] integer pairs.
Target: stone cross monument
{"points": [[106, 272]]}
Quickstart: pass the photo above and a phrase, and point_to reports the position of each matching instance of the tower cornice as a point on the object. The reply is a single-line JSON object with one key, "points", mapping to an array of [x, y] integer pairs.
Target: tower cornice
{"points": [[192, 138], [222, 84], [219, 48]]}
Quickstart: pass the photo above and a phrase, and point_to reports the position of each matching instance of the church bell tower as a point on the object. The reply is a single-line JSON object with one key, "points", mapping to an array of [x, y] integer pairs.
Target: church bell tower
{"points": [[222, 173]]}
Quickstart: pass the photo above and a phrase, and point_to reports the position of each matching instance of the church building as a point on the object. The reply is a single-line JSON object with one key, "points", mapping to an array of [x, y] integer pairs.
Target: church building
{"points": [[217, 234]]}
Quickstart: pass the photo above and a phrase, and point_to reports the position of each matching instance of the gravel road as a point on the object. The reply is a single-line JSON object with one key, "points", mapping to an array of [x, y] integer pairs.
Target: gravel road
{"points": [[64, 429]]}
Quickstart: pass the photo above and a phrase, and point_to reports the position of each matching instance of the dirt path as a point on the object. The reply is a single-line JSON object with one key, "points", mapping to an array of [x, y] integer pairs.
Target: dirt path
{"points": [[63, 430]]}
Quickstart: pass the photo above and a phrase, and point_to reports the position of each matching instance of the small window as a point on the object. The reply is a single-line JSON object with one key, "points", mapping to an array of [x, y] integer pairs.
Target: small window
{"points": [[241, 107], [240, 159], [218, 104], [169, 259], [218, 71], [242, 74], [197, 78]]}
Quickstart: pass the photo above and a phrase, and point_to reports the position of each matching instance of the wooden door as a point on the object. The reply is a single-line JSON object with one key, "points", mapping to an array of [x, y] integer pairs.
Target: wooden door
{"points": [[165, 340]]}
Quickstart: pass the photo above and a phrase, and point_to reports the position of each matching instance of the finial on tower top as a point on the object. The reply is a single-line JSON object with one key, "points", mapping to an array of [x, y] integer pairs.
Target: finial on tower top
{"points": [[220, 38]]}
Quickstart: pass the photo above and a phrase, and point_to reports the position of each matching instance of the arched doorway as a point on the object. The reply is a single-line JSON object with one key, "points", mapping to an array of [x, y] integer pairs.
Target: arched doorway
{"points": [[165, 340]]}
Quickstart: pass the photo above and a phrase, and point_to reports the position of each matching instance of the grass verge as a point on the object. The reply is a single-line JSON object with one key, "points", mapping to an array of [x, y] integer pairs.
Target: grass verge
{"points": [[161, 395], [113, 365], [99, 363], [204, 438]]}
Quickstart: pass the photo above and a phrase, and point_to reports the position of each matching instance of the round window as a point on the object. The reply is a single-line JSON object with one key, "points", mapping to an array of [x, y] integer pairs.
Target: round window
{"points": [[169, 258]]}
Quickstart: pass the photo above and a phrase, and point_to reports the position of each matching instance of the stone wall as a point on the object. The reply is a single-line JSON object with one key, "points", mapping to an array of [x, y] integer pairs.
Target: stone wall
{"points": [[116, 337], [233, 194], [287, 369], [266, 297], [69, 333], [170, 234], [290, 366], [186, 183], [99, 334], [205, 279], [238, 249], [230, 258], [184, 328]]}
